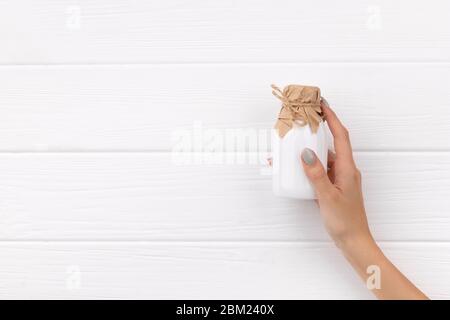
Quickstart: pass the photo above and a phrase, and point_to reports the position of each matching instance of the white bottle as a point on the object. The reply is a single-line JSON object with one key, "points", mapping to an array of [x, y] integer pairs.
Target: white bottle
{"points": [[299, 125], [288, 177]]}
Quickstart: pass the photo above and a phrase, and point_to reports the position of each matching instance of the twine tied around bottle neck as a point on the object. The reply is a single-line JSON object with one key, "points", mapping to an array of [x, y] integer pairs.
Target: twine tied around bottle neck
{"points": [[300, 105]]}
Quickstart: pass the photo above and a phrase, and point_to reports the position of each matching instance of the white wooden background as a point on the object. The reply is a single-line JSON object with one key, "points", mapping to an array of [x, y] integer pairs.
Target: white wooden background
{"points": [[92, 204]]}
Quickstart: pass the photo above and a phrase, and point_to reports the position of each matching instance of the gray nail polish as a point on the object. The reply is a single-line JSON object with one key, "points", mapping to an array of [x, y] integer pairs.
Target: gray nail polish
{"points": [[325, 102], [308, 156]]}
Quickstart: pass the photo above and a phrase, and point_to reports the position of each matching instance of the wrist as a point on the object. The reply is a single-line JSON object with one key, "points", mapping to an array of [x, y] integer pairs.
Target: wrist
{"points": [[355, 245]]}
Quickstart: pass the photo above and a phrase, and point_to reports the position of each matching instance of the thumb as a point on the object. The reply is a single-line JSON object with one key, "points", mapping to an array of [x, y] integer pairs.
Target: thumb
{"points": [[315, 172]]}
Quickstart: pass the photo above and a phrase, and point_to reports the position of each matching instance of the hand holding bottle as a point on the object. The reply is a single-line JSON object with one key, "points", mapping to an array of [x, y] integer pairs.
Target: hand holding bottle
{"points": [[340, 199], [339, 192]]}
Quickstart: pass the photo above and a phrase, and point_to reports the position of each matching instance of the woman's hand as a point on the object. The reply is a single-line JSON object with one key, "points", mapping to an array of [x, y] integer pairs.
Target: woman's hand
{"points": [[340, 198], [338, 191]]}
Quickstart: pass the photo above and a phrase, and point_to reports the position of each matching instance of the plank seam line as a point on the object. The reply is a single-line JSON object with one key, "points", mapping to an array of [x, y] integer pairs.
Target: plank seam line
{"points": [[168, 152], [207, 242], [224, 63]]}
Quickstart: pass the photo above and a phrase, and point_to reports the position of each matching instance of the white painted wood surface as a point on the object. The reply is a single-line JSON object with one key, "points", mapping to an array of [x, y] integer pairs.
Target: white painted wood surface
{"points": [[127, 108], [142, 31], [94, 205], [220, 270], [148, 197]]}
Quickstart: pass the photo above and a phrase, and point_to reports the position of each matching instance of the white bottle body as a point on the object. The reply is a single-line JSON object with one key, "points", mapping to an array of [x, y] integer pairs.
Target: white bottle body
{"points": [[289, 179]]}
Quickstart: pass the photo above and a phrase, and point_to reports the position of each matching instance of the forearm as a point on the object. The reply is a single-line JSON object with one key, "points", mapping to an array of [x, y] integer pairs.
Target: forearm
{"points": [[364, 253]]}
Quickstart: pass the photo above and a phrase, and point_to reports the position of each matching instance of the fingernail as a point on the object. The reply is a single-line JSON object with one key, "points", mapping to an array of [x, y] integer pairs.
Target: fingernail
{"points": [[325, 102], [308, 156]]}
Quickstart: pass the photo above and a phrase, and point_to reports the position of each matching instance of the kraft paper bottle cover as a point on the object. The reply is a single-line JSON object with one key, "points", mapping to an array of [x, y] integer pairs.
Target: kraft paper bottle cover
{"points": [[299, 125]]}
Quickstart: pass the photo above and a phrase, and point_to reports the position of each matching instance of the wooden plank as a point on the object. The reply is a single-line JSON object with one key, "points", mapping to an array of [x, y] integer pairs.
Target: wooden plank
{"points": [[111, 31], [128, 108], [204, 271], [142, 196]]}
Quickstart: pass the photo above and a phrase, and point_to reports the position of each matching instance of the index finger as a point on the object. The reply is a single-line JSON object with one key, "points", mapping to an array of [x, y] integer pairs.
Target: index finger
{"points": [[340, 134]]}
